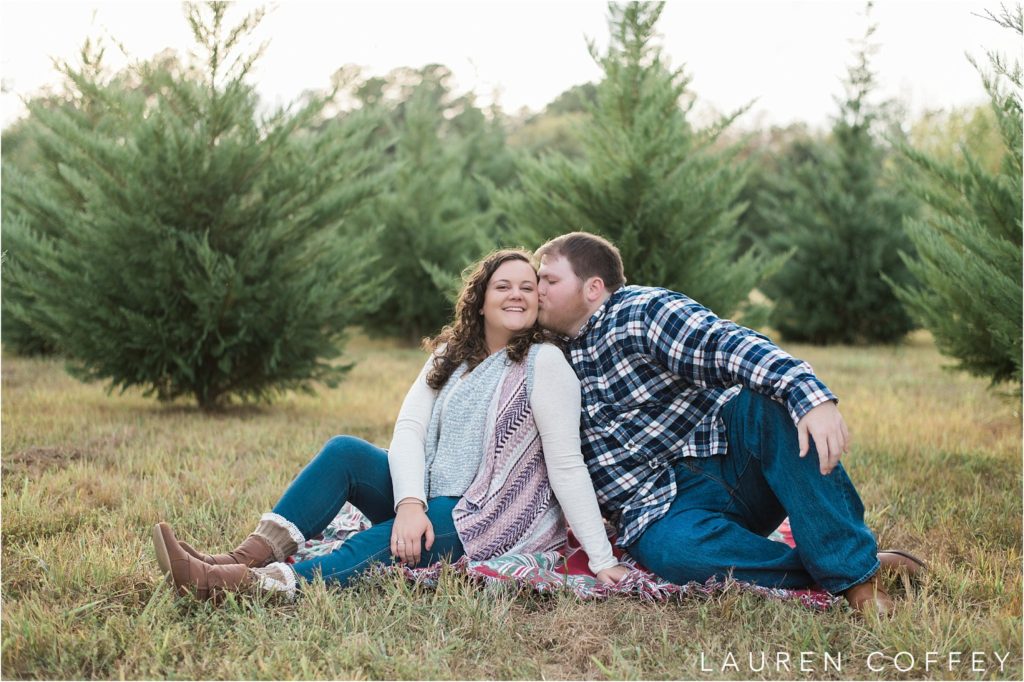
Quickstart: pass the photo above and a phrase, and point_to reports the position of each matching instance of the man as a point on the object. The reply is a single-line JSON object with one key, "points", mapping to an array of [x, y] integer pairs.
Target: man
{"points": [[702, 436]]}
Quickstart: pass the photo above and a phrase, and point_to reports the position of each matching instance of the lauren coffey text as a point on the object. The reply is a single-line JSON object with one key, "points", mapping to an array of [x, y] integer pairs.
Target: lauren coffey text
{"points": [[876, 661]]}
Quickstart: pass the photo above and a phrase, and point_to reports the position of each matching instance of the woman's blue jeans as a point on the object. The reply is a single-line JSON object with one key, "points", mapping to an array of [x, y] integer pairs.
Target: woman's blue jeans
{"points": [[349, 469], [726, 505]]}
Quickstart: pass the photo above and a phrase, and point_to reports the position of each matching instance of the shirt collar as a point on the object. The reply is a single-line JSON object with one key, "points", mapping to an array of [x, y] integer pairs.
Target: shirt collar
{"points": [[598, 314]]}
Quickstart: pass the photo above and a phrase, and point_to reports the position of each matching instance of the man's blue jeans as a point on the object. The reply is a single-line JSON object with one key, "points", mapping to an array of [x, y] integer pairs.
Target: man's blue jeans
{"points": [[725, 506], [349, 469]]}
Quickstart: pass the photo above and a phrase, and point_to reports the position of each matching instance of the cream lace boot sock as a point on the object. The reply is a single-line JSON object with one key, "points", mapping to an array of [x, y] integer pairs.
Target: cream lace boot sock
{"points": [[281, 534], [278, 578]]}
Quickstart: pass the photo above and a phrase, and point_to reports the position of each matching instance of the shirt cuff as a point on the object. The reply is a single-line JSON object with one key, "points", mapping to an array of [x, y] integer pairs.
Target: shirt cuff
{"points": [[600, 566], [805, 396], [411, 496]]}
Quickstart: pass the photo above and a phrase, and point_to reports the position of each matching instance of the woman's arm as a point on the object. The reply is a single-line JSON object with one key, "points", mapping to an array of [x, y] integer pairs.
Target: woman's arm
{"points": [[406, 454], [555, 400], [407, 461]]}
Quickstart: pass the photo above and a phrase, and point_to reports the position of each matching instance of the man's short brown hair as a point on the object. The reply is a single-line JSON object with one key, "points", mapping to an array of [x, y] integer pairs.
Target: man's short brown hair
{"points": [[589, 256]]}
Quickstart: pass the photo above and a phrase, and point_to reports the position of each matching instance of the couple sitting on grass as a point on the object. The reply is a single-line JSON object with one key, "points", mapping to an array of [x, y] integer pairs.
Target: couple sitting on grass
{"points": [[560, 395]]}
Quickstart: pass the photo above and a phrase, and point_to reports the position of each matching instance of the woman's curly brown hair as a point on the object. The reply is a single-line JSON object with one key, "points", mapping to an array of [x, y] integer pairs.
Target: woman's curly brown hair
{"points": [[463, 339]]}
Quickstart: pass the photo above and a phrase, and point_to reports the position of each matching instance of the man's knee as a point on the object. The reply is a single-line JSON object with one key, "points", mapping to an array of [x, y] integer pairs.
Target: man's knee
{"points": [[762, 423], [767, 410]]}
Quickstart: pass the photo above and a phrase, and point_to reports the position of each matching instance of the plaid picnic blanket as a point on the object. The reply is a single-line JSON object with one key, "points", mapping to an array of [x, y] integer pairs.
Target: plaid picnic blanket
{"points": [[563, 570]]}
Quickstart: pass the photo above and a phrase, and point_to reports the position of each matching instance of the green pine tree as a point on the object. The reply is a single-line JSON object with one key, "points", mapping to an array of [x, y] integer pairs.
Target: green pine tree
{"points": [[771, 151], [661, 190], [31, 167], [840, 215], [206, 252], [968, 240], [435, 218]]}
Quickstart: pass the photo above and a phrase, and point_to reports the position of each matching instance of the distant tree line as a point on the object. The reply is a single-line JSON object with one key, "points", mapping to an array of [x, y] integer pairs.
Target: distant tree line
{"points": [[162, 231]]}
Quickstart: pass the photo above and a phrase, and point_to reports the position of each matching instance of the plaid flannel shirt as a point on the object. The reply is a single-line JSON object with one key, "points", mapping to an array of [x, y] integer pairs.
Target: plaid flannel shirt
{"points": [[655, 368]]}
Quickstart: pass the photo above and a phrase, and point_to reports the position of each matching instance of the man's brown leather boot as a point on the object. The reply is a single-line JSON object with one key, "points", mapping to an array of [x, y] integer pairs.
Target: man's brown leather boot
{"points": [[869, 597], [902, 561]]}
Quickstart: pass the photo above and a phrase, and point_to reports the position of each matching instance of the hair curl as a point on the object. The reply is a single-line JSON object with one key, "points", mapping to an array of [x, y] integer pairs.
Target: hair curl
{"points": [[463, 339]]}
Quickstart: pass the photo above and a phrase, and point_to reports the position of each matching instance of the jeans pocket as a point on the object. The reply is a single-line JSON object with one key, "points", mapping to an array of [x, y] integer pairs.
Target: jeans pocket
{"points": [[708, 485]]}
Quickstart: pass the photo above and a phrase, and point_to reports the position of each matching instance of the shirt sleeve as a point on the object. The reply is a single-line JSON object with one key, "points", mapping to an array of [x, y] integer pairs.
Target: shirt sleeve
{"points": [[689, 340], [555, 400], [407, 452]]}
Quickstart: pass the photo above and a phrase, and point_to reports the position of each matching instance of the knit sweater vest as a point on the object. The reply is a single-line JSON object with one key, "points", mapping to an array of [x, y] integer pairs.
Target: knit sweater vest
{"points": [[458, 426]]}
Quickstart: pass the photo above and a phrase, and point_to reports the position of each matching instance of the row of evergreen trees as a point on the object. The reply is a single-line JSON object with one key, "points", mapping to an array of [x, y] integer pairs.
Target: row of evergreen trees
{"points": [[966, 285], [160, 231]]}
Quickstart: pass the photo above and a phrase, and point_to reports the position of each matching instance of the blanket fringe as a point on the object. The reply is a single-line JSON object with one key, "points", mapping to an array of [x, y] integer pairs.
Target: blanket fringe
{"points": [[548, 573]]}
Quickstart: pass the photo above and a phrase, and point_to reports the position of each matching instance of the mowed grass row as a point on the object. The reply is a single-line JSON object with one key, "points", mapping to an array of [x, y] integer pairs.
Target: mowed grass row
{"points": [[936, 457]]}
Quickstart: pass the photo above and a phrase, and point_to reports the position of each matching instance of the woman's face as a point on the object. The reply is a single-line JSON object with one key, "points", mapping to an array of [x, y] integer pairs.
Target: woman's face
{"points": [[510, 302]]}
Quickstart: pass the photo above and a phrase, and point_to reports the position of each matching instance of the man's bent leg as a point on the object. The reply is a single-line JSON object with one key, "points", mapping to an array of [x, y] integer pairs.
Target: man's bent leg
{"points": [[700, 537], [825, 512]]}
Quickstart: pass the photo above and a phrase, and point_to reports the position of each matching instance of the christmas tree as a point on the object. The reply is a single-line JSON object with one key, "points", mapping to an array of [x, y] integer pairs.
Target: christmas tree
{"points": [[206, 251], [435, 216], [841, 217], [968, 240], [663, 191]]}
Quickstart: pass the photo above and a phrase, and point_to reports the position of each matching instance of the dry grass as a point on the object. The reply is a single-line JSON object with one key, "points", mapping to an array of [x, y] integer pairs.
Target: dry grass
{"points": [[937, 459]]}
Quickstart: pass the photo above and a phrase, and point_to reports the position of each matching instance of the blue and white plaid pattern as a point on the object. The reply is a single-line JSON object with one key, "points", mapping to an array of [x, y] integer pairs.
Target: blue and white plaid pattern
{"points": [[656, 367]]}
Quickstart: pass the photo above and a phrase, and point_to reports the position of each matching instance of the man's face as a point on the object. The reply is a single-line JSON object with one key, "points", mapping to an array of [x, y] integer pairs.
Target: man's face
{"points": [[563, 308]]}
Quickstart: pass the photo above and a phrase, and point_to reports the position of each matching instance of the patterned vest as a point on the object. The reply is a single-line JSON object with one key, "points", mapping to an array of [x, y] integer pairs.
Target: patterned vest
{"points": [[509, 506]]}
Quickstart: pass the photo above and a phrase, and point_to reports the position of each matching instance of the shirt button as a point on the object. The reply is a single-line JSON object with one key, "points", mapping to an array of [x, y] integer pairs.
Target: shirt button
{"points": [[655, 464], [631, 446]]}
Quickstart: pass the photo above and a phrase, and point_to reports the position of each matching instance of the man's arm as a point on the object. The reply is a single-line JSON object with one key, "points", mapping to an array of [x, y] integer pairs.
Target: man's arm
{"points": [[692, 342]]}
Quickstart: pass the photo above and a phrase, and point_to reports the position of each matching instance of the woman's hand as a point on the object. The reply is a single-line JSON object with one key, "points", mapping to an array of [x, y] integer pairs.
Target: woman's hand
{"points": [[610, 576], [411, 526]]}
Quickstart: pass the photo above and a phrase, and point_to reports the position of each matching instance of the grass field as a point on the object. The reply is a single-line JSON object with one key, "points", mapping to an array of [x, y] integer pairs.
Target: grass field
{"points": [[936, 457]]}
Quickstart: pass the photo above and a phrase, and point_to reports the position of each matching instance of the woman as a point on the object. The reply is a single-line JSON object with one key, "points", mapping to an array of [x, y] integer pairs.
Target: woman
{"points": [[488, 430]]}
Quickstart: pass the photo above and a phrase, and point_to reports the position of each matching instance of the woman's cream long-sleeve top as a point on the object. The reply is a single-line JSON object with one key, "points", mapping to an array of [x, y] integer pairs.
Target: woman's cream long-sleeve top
{"points": [[555, 400]]}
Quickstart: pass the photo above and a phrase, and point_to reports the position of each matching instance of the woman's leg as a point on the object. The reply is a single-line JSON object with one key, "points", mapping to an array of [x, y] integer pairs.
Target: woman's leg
{"points": [[346, 469], [373, 545], [357, 554]]}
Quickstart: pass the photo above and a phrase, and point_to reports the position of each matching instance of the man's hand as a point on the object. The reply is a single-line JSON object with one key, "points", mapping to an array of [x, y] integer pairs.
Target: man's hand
{"points": [[831, 438], [410, 527], [610, 576]]}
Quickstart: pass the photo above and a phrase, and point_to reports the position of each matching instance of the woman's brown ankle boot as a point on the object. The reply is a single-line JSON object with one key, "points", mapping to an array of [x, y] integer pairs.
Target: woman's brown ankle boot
{"points": [[254, 552], [274, 539], [191, 576]]}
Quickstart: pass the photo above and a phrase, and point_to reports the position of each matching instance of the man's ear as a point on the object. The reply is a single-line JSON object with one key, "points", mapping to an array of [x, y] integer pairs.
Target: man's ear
{"points": [[593, 288]]}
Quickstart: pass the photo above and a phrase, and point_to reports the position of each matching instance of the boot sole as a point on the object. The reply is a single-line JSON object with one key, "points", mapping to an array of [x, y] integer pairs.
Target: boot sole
{"points": [[906, 555], [915, 571], [162, 557]]}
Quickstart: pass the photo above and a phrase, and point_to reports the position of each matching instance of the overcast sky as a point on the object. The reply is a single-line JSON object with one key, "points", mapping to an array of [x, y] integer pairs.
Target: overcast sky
{"points": [[788, 54]]}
